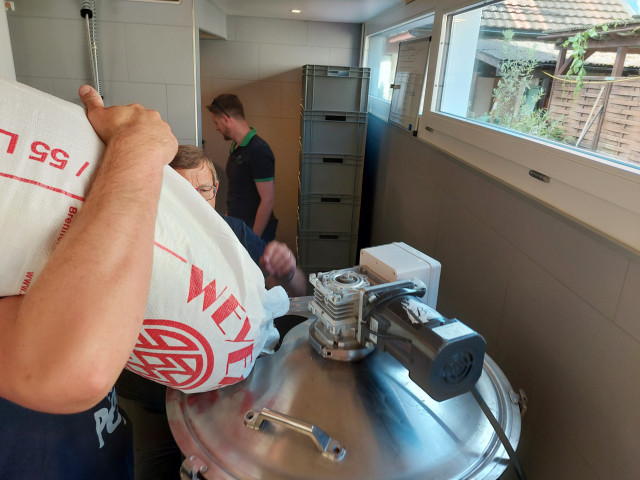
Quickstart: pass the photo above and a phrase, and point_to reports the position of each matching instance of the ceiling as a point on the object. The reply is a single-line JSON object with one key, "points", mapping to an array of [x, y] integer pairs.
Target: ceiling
{"points": [[348, 11]]}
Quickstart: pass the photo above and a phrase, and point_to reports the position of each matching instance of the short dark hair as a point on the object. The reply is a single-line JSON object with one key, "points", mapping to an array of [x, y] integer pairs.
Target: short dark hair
{"points": [[190, 156], [226, 104]]}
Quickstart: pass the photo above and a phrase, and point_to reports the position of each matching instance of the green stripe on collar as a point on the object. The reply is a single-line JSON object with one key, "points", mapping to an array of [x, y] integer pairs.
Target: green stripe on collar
{"points": [[245, 140]]}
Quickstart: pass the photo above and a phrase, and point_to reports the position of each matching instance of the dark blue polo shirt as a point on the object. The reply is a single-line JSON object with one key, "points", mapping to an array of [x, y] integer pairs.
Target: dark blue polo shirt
{"points": [[250, 162]]}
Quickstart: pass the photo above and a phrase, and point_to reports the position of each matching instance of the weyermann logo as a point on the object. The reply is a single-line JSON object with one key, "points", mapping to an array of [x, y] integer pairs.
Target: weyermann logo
{"points": [[179, 356]]}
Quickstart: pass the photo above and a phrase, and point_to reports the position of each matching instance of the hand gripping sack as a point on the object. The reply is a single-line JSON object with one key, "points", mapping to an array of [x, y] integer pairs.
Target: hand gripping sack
{"points": [[208, 314]]}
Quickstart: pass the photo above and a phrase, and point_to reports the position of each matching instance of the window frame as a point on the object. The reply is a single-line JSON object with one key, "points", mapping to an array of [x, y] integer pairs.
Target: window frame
{"points": [[381, 107], [600, 194]]}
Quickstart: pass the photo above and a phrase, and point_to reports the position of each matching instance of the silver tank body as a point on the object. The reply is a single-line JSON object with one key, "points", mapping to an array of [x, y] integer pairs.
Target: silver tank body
{"points": [[387, 428]]}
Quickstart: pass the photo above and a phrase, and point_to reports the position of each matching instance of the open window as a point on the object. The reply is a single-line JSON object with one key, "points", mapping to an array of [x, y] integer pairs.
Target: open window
{"points": [[553, 71], [397, 58], [409, 84]]}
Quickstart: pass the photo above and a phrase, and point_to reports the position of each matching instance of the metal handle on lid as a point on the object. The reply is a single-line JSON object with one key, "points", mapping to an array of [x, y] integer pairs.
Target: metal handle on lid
{"points": [[329, 447]]}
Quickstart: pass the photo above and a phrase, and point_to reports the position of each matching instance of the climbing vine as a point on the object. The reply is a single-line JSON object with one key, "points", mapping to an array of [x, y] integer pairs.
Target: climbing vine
{"points": [[578, 44]]}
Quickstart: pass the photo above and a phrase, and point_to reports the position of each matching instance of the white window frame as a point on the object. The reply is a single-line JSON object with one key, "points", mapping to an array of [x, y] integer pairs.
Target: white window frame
{"points": [[600, 194]]}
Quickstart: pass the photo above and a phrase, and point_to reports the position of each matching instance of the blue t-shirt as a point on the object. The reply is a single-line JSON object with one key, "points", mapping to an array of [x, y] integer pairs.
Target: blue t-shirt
{"points": [[96, 444]]}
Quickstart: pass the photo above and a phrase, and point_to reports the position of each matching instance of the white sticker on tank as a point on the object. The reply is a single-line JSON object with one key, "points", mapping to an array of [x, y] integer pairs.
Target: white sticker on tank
{"points": [[453, 330]]}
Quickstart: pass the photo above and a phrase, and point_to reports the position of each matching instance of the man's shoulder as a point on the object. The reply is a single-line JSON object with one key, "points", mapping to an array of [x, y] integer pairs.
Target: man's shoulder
{"points": [[259, 143], [236, 224]]}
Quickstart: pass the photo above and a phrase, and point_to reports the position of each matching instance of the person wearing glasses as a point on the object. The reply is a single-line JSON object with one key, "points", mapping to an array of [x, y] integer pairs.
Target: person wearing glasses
{"points": [[274, 258], [157, 456], [64, 342], [250, 168]]}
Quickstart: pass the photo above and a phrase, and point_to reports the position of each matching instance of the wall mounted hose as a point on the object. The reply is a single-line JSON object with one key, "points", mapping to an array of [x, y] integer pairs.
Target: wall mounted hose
{"points": [[88, 12]]}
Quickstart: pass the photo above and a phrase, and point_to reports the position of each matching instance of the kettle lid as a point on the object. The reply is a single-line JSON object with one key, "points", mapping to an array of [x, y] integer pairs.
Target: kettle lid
{"points": [[301, 416]]}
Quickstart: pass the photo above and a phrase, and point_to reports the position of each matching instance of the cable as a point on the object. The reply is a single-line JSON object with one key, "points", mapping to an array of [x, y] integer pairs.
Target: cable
{"points": [[500, 432]]}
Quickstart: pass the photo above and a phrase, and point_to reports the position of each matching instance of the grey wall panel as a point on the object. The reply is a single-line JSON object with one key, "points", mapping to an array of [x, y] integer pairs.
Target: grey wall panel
{"points": [[150, 95], [283, 63], [51, 49], [145, 12], [43, 84], [343, 56], [181, 110], [159, 54], [341, 35], [112, 51], [109, 11], [570, 357], [219, 59], [68, 89], [272, 31], [587, 266], [476, 263]]}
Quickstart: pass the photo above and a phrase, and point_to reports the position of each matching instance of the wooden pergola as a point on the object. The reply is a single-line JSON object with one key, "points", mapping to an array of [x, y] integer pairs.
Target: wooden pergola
{"points": [[605, 115], [622, 40]]}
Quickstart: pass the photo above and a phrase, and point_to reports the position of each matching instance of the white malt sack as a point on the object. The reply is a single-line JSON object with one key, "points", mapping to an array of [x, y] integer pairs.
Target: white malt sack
{"points": [[208, 313]]}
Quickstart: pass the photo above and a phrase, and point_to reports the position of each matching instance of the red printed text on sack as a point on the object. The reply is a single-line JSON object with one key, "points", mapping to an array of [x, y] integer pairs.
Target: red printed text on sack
{"points": [[43, 153], [67, 223]]}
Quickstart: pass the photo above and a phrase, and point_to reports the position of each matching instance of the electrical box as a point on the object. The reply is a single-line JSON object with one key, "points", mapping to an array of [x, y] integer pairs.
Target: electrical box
{"points": [[398, 261]]}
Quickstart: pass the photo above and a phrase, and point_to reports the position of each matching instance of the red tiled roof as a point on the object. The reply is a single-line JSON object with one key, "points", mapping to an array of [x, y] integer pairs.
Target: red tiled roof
{"points": [[544, 15]]}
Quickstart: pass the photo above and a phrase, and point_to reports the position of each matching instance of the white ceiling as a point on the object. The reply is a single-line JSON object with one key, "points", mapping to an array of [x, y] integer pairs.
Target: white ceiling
{"points": [[349, 11]]}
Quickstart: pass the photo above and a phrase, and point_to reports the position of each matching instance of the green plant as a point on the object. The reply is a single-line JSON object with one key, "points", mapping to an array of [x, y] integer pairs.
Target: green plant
{"points": [[512, 109], [579, 44]]}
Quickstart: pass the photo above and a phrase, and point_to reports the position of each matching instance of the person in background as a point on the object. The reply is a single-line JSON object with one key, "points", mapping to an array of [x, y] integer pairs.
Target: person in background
{"points": [[250, 168], [157, 456], [275, 258], [64, 343]]}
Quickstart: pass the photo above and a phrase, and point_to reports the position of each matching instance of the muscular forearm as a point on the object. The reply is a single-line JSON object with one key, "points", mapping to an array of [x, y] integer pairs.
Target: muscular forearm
{"points": [[81, 317], [63, 344]]}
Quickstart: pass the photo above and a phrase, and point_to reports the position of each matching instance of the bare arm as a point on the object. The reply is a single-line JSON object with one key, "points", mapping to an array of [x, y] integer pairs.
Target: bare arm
{"points": [[280, 264], [267, 192], [64, 343]]}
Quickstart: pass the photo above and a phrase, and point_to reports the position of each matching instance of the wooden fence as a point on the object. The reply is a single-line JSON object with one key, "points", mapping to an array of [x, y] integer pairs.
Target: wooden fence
{"points": [[611, 126]]}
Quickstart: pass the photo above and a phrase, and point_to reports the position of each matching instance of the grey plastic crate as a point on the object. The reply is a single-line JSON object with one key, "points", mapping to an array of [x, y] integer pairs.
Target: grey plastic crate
{"points": [[331, 174], [324, 132], [326, 251], [335, 88], [328, 213]]}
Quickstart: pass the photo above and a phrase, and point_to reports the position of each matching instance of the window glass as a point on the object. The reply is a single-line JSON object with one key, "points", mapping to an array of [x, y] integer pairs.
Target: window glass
{"points": [[382, 55], [556, 70]]}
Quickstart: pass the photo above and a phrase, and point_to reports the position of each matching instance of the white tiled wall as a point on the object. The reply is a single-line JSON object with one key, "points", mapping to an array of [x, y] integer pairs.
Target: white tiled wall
{"points": [[261, 62], [146, 52], [558, 305]]}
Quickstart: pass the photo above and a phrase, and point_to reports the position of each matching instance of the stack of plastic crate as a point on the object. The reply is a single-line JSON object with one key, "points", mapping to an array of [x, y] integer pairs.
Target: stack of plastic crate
{"points": [[333, 128]]}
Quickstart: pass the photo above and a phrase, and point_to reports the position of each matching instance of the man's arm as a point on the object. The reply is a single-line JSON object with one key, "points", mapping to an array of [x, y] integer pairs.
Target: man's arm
{"points": [[267, 192], [280, 264], [64, 343]]}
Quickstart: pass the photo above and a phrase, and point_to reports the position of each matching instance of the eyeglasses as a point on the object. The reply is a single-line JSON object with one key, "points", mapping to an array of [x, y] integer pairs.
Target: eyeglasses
{"points": [[217, 106], [207, 191]]}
